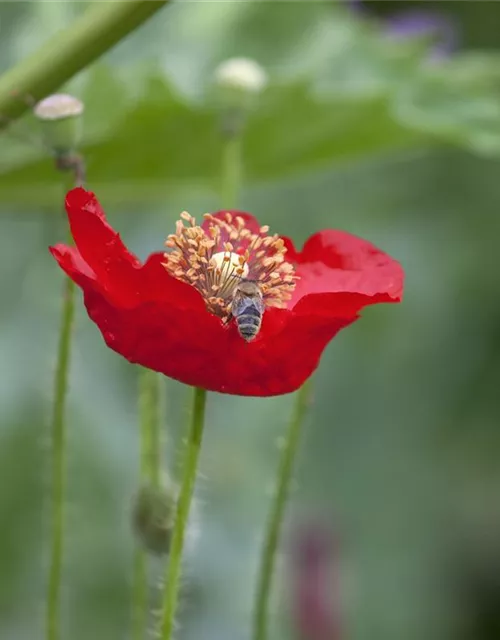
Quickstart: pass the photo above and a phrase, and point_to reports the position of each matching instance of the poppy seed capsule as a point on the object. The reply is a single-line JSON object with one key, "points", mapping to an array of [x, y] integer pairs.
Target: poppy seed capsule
{"points": [[153, 517], [60, 118]]}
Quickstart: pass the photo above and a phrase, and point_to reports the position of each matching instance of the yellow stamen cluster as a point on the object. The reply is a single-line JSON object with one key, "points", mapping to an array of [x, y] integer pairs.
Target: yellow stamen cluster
{"points": [[215, 260]]}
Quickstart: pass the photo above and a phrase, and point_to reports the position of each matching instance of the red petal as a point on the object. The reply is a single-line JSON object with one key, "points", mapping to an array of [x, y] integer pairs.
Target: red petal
{"points": [[194, 347], [336, 262], [99, 245], [250, 222], [72, 263], [185, 342], [118, 272], [159, 322], [158, 285]]}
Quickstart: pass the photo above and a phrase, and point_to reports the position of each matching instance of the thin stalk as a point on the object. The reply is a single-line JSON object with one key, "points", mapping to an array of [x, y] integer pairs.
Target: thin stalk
{"points": [[58, 444], [58, 441], [280, 496], [150, 426], [173, 571], [140, 595], [102, 26], [232, 169], [156, 430], [150, 473]]}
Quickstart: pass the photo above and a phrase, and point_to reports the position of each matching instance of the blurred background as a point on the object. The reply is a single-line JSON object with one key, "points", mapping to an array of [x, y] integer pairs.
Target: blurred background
{"points": [[382, 124]]}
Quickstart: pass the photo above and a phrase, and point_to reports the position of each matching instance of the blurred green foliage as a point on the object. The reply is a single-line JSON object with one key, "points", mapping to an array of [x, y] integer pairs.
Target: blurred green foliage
{"points": [[401, 450], [358, 91]]}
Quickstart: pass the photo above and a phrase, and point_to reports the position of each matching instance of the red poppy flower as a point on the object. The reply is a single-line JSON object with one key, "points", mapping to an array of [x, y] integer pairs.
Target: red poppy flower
{"points": [[173, 313]]}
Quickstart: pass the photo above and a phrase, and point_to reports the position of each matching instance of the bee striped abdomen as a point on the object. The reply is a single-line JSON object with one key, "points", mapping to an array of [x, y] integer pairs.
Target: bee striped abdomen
{"points": [[249, 322], [248, 308]]}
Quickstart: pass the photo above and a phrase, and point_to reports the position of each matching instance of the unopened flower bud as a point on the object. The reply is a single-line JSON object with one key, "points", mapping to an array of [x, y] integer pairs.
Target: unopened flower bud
{"points": [[238, 81], [60, 117], [241, 74], [153, 517]]}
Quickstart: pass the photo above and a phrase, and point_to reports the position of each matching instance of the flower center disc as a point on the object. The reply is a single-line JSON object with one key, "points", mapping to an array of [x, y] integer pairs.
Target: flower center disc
{"points": [[216, 259]]}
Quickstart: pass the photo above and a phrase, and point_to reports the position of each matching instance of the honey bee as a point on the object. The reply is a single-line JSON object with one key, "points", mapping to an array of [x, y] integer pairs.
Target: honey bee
{"points": [[247, 308]]}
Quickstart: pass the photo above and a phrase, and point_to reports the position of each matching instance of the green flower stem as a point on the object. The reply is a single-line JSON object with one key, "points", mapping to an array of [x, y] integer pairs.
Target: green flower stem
{"points": [[158, 390], [173, 572], [58, 441], [232, 169], [140, 595], [280, 495], [150, 426], [58, 444], [97, 30], [150, 473]]}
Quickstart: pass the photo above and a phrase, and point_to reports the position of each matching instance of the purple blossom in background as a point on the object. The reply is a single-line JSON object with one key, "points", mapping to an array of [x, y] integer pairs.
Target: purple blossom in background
{"points": [[413, 23], [316, 597], [420, 23]]}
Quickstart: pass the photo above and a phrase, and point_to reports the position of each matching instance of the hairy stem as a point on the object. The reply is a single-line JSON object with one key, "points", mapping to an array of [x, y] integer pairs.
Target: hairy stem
{"points": [[97, 30], [156, 431], [273, 529], [150, 473], [173, 573], [150, 426], [58, 442], [140, 595]]}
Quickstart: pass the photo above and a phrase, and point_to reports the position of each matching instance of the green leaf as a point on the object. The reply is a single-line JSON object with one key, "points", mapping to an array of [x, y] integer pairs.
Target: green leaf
{"points": [[160, 142], [457, 100], [340, 90], [362, 63], [299, 133]]}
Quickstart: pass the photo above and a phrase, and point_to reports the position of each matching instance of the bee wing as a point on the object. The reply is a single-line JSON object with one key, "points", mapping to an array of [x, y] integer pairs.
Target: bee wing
{"points": [[243, 303], [260, 304], [240, 303]]}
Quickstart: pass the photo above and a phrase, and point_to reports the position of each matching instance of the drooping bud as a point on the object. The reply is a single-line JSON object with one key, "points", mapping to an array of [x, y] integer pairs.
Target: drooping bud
{"points": [[60, 115], [153, 517], [238, 81]]}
